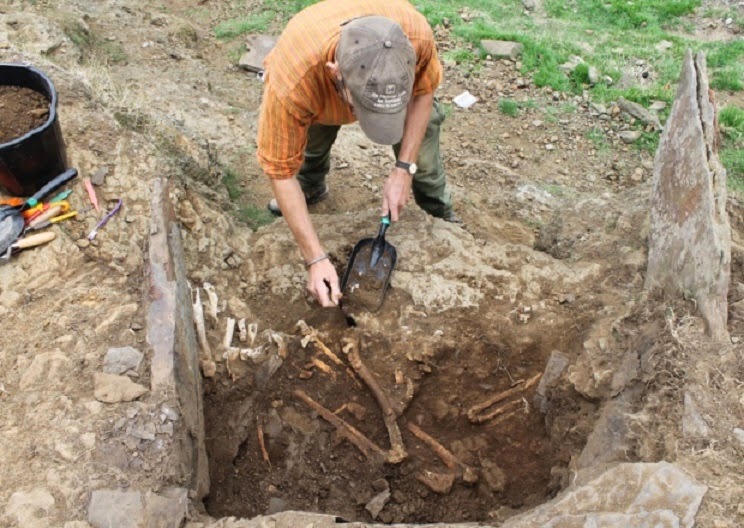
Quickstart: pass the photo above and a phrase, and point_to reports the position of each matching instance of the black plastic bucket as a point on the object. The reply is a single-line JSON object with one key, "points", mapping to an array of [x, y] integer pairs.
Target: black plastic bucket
{"points": [[30, 161]]}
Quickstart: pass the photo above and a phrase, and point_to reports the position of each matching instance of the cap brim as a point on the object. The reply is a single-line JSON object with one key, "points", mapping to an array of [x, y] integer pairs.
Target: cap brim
{"points": [[383, 129]]}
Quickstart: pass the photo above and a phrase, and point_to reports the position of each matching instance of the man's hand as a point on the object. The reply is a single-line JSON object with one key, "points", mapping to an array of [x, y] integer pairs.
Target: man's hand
{"points": [[396, 193], [322, 283]]}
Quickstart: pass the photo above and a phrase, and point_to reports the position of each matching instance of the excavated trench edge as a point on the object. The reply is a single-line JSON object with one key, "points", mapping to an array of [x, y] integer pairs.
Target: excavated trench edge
{"points": [[175, 364]]}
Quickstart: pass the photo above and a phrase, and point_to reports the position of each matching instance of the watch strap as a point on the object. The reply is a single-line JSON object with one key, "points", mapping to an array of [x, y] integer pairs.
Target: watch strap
{"points": [[403, 165]]}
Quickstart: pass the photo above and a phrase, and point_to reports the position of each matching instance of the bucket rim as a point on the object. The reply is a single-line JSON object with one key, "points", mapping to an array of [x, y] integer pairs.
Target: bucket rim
{"points": [[52, 103]]}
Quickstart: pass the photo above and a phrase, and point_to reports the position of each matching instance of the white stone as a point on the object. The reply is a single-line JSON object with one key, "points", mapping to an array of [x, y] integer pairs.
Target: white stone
{"points": [[120, 360], [30, 509], [109, 508]]}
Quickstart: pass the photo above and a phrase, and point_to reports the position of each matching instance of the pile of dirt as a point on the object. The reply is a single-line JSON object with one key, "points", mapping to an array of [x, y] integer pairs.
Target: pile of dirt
{"points": [[21, 111]]}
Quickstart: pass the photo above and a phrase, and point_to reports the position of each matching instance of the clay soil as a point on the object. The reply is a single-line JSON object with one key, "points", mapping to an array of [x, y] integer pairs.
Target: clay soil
{"points": [[21, 111]]}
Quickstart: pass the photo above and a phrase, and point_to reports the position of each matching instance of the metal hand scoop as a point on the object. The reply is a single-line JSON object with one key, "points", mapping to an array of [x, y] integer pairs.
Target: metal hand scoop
{"points": [[367, 275]]}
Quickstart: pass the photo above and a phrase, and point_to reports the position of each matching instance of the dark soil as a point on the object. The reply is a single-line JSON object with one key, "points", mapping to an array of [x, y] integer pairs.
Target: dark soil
{"points": [[21, 111], [311, 469]]}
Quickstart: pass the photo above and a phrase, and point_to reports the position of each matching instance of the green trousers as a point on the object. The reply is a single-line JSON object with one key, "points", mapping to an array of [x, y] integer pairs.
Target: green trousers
{"points": [[429, 184]]}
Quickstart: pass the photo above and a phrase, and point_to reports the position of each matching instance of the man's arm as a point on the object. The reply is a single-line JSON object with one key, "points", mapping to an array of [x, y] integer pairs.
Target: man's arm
{"points": [[322, 277], [398, 185]]}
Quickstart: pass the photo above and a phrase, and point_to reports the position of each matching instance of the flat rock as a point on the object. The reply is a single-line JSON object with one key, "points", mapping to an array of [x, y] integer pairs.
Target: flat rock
{"points": [[501, 49], [110, 388], [123, 509], [167, 509], [657, 495], [30, 509], [609, 440], [120, 360], [640, 113], [440, 483], [630, 136], [258, 47], [375, 506], [557, 363], [693, 425]]}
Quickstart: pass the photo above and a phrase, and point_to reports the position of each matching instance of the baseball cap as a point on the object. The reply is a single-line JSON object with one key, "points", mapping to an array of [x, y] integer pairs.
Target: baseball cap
{"points": [[378, 65]]}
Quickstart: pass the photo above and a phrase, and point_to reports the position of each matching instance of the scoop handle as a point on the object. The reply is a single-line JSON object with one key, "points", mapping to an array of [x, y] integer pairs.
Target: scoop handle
{"points": [[35, 240]]}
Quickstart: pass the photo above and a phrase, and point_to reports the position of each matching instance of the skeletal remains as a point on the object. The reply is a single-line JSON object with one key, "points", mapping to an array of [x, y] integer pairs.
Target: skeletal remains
{"points": [[351, 347]]}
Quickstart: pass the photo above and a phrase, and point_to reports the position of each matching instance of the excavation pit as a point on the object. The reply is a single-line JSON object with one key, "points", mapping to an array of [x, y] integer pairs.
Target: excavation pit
{"points": [[435, 369]]}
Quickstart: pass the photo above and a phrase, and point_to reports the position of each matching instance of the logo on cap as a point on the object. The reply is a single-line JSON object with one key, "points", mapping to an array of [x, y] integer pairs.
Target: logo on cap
{"points": [[390, 89]]}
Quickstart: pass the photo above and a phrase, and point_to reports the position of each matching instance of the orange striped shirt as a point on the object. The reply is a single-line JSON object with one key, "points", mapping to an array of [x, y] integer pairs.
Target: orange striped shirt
{"points": [[299, 89]]}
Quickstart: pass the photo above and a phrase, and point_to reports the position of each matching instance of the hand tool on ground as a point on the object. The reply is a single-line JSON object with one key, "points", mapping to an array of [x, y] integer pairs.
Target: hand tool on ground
{"points": [[92, 194], [367, 276], [11, 221], [105, 219], [29, 242], [47, 223], [47, 211]]}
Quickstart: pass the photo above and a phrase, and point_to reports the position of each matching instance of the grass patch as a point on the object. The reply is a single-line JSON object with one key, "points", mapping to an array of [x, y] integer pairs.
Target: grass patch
{"points": [[231, 29], [649, 141], [459, 55], [731, 121], [254, 216], [508, 107], [610, 35], [231, 181], [622, 14]]}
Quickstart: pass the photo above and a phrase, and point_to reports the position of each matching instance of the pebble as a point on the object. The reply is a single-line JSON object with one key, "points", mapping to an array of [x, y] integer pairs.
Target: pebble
{"points": [[82, 243]]}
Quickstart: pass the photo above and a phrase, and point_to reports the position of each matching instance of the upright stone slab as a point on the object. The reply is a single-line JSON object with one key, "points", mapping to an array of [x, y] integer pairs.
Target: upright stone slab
{"points": [[690, 237], [170, 332]]}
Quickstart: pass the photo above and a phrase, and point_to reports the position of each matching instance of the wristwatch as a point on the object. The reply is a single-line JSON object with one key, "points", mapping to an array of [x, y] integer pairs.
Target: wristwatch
{"points": [[411, 168]]}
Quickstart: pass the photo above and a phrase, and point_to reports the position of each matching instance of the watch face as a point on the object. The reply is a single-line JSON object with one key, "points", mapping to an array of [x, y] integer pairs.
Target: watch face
{"points": [[413, 168]]}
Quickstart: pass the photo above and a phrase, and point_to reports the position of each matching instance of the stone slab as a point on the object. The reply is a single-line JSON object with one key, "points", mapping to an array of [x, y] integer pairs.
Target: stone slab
{"points": [[170, 333], [258, 48]]}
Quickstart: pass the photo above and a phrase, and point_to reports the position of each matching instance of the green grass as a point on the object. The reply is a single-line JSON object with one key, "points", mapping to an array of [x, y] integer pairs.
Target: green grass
{"points": [[254, 216], [243, 206], [622, 14], [258, 23], [610, 35], [731, 122], [508, 107], [231, 181]]}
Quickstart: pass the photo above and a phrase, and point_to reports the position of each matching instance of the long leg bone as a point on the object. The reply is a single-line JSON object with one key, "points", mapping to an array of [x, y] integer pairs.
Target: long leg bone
{"points": [[368, 448], [200, 327], [213, 301], [481, 418], [475, 412], [450, 460], [229, 332], [262, 442], [397, 451]]}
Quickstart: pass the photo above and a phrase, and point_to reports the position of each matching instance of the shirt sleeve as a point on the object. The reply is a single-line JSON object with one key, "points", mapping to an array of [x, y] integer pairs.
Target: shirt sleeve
{"points": [[281, 138], [428, 69]]}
